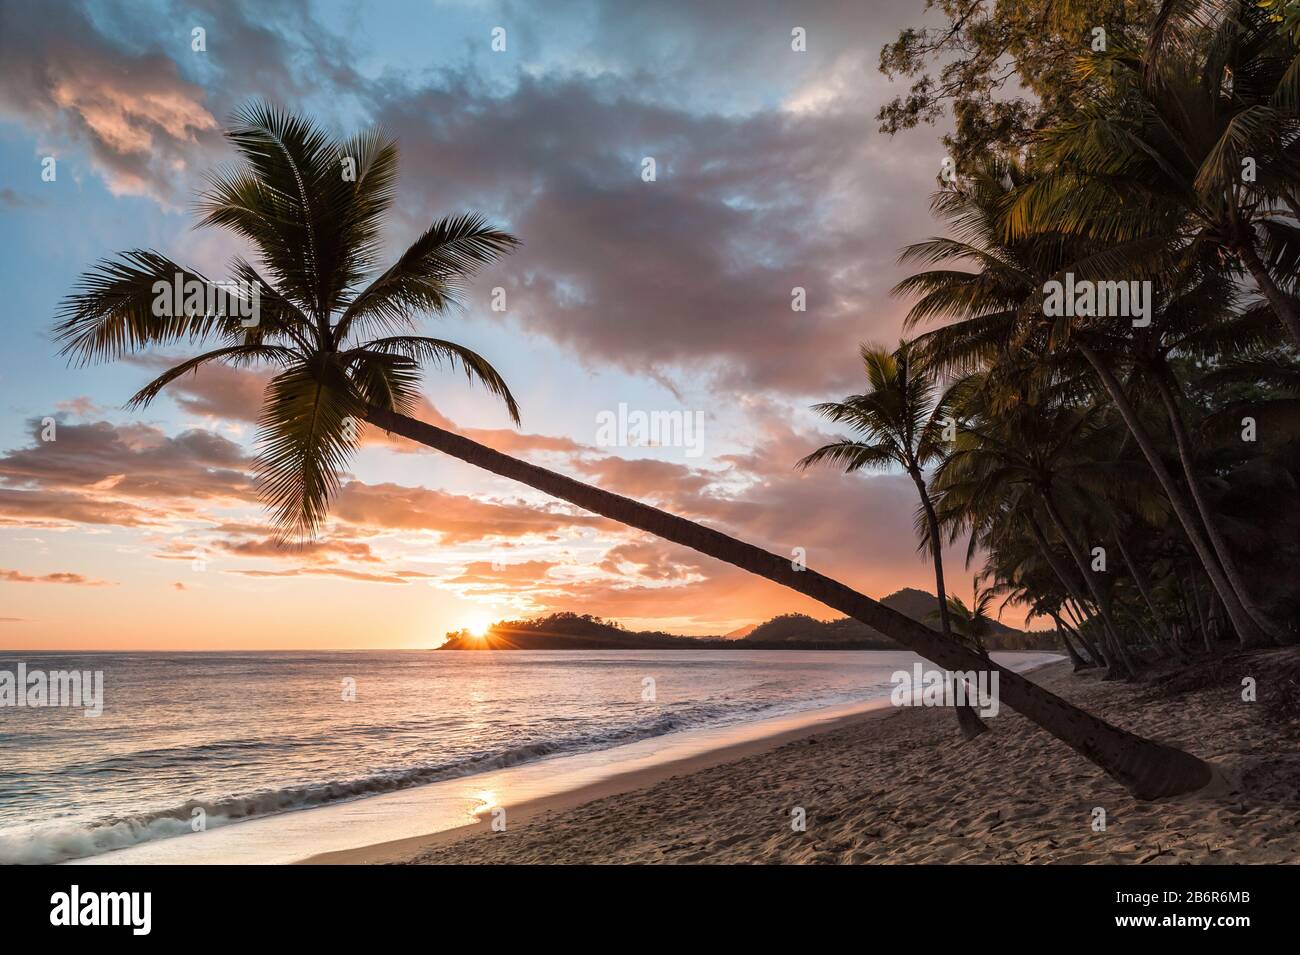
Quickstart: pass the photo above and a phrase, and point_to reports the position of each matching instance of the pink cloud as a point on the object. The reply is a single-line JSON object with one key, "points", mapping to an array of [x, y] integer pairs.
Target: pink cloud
{"points": [[140, 121]]}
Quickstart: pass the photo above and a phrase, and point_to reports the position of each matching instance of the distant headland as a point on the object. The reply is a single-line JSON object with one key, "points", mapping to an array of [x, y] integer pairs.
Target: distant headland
{"points": [[793, 631]]}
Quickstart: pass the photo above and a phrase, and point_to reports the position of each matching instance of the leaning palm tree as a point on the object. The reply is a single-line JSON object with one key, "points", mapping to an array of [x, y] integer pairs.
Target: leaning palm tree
{"points": [[899, 422], [322, 297]]}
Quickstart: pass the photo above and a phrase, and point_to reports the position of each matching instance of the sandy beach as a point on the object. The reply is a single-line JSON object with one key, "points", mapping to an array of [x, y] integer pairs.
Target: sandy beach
{"points": [[904, 788]]}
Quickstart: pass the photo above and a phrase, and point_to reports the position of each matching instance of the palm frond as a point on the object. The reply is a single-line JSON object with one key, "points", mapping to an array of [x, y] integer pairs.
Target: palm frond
{"points": [[436, 351], [428, 277], [276, 198], [235, 355], [309, 426], [126, 305], [851, 456]]}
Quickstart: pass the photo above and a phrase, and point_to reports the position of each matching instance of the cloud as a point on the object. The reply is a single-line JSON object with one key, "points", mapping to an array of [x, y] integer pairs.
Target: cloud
{"points": [[216, 390], [47, 509], [645, 478], [139, 119], [125, 475], [139, 102], [727, 50], [319, 550], [650, 559], [80, 407], [62, 577], [501, 576], [398, 577], [456, 518], [695, 272], [130, 461]]}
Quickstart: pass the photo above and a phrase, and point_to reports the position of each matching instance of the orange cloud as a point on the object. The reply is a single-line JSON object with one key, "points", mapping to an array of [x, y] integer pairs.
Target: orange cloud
{"points": [[398, 577], [502, 575], [16, 577], [313, 550], [645, 478], [457, 518], [131, 461], [44, 509]]}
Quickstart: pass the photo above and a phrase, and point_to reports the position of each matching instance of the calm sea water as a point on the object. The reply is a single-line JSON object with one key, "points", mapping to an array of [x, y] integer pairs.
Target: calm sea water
{"points": [[238, 735]]}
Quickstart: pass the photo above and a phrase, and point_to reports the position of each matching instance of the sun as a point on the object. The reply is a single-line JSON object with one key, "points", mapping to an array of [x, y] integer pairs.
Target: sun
{"points": [[478, 626]]}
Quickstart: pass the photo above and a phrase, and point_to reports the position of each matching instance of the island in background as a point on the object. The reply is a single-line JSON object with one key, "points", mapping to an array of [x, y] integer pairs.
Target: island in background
{"points": [[792, 631]]}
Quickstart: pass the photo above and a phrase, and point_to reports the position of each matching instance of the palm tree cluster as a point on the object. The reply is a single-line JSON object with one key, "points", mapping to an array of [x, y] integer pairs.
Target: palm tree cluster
{"points": [[1135, 482]]}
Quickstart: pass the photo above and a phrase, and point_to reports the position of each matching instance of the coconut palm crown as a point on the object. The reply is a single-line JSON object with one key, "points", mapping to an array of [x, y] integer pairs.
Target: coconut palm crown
{"points": [[340, 333]]}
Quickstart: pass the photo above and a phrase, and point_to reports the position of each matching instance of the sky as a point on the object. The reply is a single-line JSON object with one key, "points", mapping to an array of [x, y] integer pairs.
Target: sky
{"points": [[142, 529]]}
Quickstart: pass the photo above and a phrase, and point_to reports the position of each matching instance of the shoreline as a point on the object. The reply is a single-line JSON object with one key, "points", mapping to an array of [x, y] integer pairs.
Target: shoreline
{"points": [[619, 783], [460, 807]]}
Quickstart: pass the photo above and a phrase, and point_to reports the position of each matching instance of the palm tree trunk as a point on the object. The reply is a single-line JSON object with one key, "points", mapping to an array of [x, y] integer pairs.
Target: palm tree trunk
{"points": [[1099, 597], [1213, 619], [1094, 652], [1277, 299], [1089, 656], [1101, 645], [1075, 658], [1221, 546], [1062, 573], [1189, 618], [1149, 770], [1246, 628], [1207, 635], [967, 719], [1140, 579]]}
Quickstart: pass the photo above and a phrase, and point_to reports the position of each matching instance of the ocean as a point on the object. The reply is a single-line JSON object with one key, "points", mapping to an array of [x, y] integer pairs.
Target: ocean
{"points": [[190, 741]]}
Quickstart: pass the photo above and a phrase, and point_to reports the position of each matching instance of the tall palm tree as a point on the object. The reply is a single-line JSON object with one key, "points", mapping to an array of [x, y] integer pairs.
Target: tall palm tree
{"points": [[898, 422], [1197, 317], [317, 237]]}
